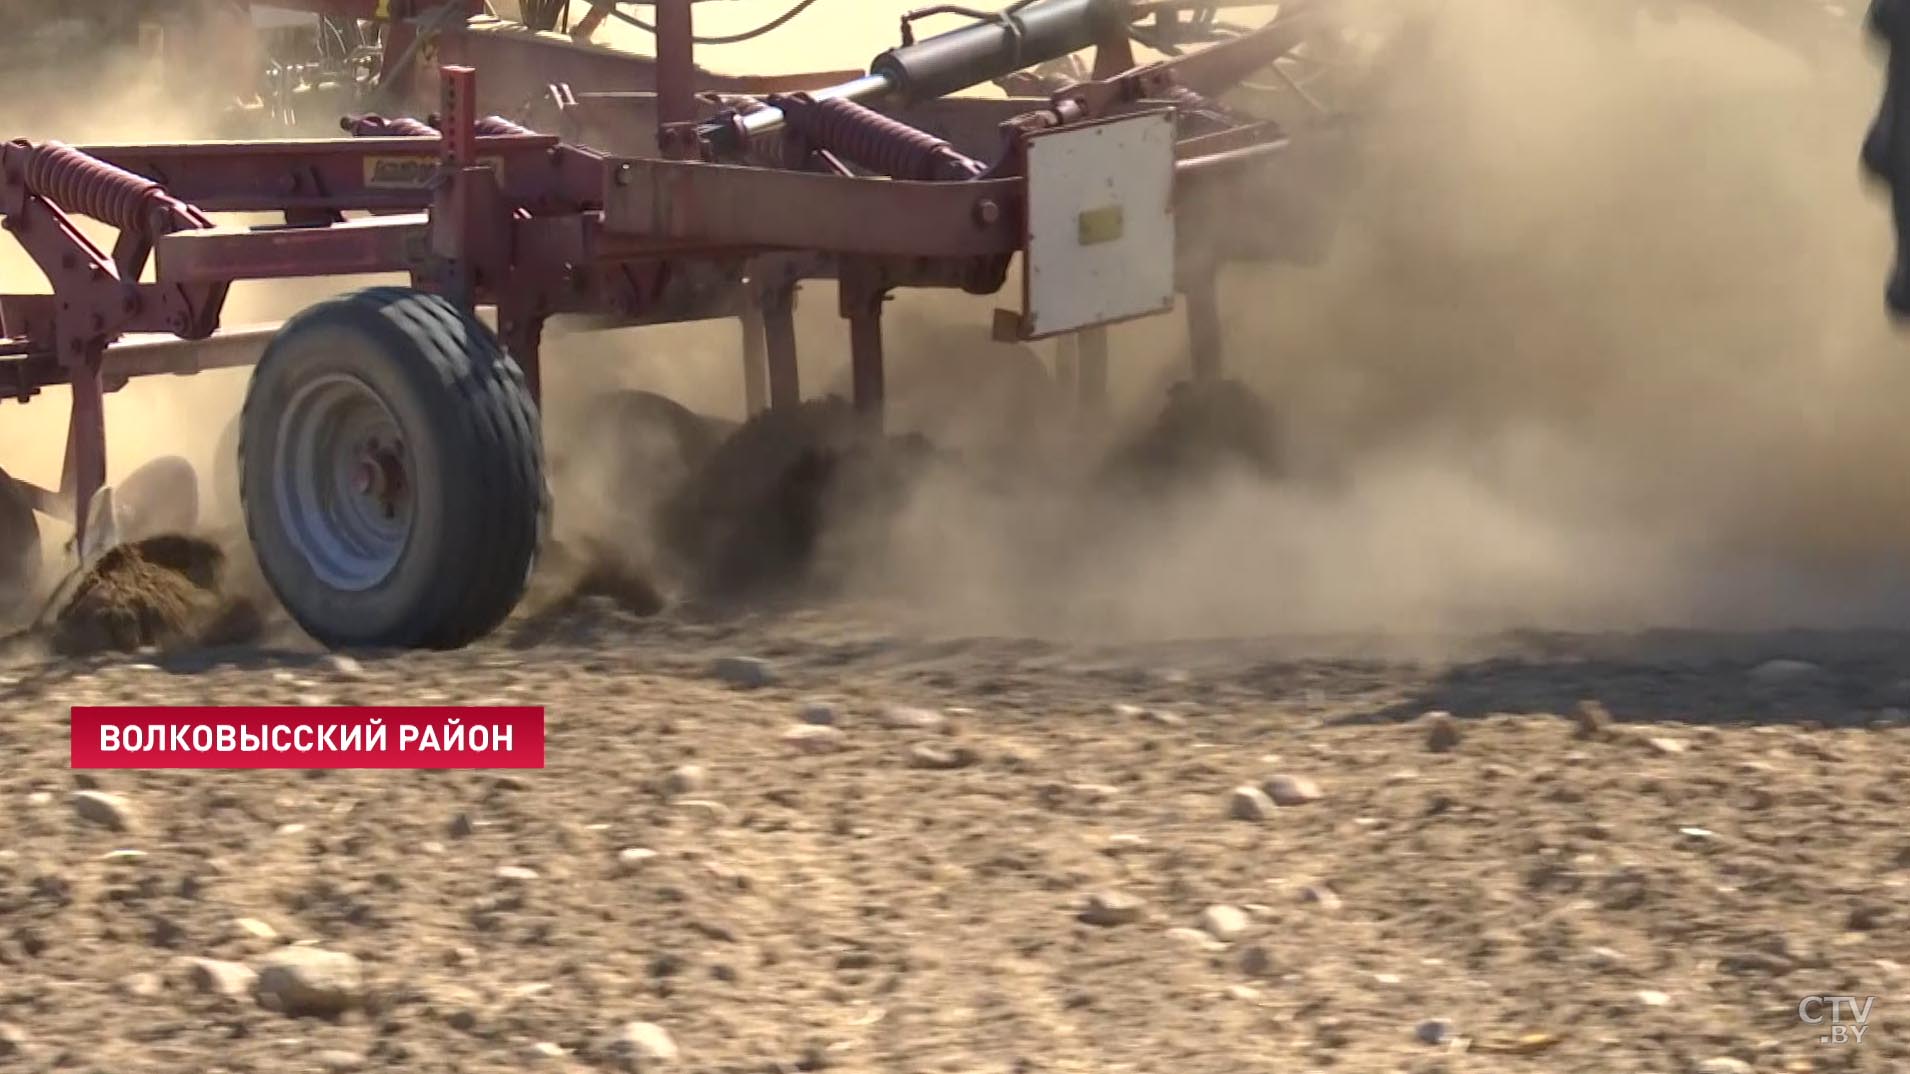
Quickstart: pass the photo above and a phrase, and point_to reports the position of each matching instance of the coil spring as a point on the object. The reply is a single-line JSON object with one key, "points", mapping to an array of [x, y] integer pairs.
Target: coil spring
{"points": [[1189, 102], [873, 140], [84, 184], [376, 126], [499, 127]]}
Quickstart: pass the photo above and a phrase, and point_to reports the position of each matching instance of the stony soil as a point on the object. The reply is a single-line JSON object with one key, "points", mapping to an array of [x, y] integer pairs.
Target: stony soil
{"points": [[904, 853]]}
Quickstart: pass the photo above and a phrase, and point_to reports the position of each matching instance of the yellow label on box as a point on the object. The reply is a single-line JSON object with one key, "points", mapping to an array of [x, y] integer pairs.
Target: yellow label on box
{"points": [[1100, 225]]}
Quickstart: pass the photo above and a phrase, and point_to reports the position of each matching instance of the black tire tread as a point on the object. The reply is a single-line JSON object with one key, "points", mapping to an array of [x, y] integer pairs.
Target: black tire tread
{"points": [[497, 472]]}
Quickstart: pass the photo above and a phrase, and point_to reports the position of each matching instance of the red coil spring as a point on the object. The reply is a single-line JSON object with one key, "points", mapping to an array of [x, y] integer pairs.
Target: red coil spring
{"points": [[499, 127], [867, 137], [376, 126], [91, 187]]}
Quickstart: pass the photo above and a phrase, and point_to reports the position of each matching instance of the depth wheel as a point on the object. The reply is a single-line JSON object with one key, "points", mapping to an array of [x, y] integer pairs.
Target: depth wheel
{"points": [[391, 472]]}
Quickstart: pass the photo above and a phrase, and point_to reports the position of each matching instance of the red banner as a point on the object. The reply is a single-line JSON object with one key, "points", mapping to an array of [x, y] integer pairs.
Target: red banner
{"points": [[297, 737]]}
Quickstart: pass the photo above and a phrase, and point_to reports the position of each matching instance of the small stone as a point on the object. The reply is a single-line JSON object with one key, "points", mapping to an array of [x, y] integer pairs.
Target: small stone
{"points": [[744, 673], [819, 713], [1292, 790], [1724, 1064], [462, 826], [1867, 917], [13, 1041], [302, 981], [1249, 803], [685, 779], [1256, 961], [633, 859], [217, 977], [545, 1051], [1107, 909], [641, 1046], [1604, 958], [165, 932], [344, 666], [814, 738], [1666, 746], [1652, 998], [923, 755], [338, 1060], [253, 927], [709, 811], [1196, 938], [1592, 720], [1224, 922], [1434, 1031], [142, 985], [515, 874], [1321, 896], [1442, 732], [40, 798], [910, 718], [1782, 671], [106, 810]]}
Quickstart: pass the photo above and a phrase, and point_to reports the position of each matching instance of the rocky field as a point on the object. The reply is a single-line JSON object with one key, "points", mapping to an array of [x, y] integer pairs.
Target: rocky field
{"points": [[812, 841]]}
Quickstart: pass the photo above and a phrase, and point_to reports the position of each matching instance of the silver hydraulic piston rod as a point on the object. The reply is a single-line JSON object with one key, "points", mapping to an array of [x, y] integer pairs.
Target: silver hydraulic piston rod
{"points": [[1026, 34]]}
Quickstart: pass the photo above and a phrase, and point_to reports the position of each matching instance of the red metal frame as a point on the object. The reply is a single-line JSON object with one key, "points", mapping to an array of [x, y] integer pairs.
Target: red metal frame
{"points": [[538, 226]]}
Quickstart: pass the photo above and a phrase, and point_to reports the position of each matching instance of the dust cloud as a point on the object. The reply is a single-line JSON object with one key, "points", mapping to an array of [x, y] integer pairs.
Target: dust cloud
{"points": [[1599, 345]]}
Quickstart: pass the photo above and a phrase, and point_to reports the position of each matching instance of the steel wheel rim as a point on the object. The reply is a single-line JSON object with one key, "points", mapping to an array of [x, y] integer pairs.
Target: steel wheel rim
{"points": [[345, 493]]}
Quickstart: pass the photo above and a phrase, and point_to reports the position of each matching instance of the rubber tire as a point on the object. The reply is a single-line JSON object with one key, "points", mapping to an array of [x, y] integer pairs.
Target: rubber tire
{"points": [[21, 558], [225, 477], [473, 436]]}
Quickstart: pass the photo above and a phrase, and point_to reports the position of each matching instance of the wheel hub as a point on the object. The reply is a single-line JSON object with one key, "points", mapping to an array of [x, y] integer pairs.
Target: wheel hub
{"points": [[344, 492]]}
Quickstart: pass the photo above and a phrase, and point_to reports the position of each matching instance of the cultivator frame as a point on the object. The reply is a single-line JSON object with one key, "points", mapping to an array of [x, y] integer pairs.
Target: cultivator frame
{"points": [[745, 197]]}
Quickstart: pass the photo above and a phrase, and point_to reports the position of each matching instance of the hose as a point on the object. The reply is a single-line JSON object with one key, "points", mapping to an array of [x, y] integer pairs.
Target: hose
{"points": [[727, 39]]}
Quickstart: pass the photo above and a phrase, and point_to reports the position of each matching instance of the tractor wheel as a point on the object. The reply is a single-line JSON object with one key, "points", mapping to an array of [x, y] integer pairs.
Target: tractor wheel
{"points": [[20, 561], [392, 475]]}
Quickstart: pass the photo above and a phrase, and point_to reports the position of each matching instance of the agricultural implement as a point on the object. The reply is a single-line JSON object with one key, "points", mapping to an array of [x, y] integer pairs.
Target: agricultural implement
{"points": [[391, 465]]}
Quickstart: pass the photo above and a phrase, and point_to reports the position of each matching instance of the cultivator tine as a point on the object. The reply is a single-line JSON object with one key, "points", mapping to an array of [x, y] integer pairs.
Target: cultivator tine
{"points": [[1204, 326], [755, 354]]}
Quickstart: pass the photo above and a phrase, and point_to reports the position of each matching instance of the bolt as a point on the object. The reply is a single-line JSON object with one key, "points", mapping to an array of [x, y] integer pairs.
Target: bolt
{"points": [[623, 174], [987, 212]]}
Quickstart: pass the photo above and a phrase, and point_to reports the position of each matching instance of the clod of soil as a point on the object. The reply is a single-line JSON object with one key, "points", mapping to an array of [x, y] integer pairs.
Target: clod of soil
{"points": [[1205, 427], [572, 570], [163, 591], [754, 515]]}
